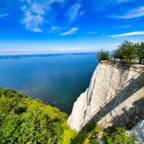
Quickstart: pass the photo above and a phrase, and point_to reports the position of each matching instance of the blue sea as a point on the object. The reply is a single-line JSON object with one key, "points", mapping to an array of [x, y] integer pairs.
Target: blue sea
{"points": [[56, 79]]}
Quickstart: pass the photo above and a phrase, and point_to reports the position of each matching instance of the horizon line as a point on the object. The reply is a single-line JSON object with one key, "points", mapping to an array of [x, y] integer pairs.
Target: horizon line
{"points": [[48, 54]]}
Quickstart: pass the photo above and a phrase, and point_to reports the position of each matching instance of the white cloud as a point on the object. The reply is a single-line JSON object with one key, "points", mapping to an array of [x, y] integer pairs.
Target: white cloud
{"points": [[35, 14], [129, 34], [37, 9], [33, 22], [74, 12], [138, 12], [71, 31], [3, 15], [53, 28], [37, 30]]}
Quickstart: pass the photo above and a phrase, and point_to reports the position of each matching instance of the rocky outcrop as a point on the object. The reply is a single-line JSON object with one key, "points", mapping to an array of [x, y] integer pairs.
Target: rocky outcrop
{"points": [[115, 97], [137, 132]]}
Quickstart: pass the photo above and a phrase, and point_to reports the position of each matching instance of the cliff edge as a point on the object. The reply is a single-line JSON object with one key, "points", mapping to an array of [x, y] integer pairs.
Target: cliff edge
{"points": [[115, 97]]}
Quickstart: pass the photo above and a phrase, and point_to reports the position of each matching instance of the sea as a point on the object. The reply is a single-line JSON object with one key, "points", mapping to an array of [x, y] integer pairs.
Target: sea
{"points": [[56, 79]]}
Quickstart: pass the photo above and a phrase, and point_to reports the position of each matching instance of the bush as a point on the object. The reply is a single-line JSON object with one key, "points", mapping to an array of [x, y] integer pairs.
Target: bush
{"points": [[101, 55], [118, 137], [93, 128]]}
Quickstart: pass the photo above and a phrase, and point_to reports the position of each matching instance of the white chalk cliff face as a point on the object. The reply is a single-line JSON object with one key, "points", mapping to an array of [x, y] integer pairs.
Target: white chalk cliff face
{"points": [[137, 132], [115, 97]]}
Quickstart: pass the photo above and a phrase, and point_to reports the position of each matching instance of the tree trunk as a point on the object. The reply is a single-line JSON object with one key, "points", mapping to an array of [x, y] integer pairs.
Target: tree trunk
{"points": [[140, 60]]}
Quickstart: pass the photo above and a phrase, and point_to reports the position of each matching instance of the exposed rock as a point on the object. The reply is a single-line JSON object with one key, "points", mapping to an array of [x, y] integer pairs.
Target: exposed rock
{"points": [[115, 97], [137, 132], [99, 142]]}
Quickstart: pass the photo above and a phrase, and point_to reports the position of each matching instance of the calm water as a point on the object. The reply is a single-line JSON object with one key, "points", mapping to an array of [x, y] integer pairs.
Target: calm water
{"points": [[56, 80]]}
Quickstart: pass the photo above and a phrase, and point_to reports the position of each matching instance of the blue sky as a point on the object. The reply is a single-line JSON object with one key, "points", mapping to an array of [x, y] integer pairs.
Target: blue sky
{"points": [[59, 26]]}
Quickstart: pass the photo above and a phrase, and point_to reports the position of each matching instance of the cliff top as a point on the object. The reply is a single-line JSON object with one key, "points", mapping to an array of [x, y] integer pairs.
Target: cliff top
{"points": [[135, 67]]}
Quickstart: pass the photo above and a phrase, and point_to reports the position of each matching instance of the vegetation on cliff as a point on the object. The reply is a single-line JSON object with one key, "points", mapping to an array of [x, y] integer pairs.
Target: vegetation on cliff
{"points": [[102, 55], [118, 137], [125, 52], [27, 121]]}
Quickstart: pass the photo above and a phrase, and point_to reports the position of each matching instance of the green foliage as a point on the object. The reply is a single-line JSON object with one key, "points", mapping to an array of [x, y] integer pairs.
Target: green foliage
{"points": [[128, 51], [91, 126], [125, 51], [129, 63], [23, 120], [118, 137], [118, 53], [95, 130], [140, 51], [27, 121], [102, 55], [79, 138]]}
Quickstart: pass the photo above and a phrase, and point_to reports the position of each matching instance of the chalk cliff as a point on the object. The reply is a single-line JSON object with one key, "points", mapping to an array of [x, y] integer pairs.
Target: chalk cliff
{"points": [[115, 97], [137, 132]]}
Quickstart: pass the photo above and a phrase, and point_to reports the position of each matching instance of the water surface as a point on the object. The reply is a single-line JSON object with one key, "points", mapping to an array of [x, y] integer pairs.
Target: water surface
{"points": [[55, 79]]}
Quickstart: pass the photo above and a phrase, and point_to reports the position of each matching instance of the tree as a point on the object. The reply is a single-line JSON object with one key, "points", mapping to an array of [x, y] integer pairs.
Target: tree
{"points": [[126, 51], [140, 51], [102, 55], [118, 54], [129, 51]]}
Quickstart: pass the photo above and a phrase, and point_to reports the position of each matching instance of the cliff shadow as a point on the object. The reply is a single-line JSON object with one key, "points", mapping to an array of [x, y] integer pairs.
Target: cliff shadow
{"points": [[131, 87], [128, 118]]}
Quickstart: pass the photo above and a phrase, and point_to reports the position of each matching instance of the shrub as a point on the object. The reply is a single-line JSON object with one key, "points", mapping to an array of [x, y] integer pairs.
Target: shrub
{"points": [[102, 55], [93, 128], [117, 137]]}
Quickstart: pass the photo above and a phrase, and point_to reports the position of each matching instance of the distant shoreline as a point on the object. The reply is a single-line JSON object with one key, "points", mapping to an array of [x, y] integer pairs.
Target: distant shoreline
{"points": [[42, 55]]}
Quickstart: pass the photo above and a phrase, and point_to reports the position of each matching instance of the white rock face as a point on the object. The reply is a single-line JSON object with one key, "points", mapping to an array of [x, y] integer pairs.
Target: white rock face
{"points": [[137, 132], [115, 97]]}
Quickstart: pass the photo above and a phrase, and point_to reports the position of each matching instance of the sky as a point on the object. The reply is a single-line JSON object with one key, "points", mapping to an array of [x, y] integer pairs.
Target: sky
{"points": [[64, 26]]}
